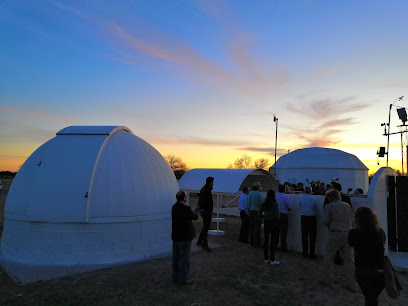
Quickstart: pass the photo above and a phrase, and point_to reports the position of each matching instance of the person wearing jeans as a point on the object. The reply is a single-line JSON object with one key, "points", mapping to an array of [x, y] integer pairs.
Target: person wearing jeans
{"points": [[205, 205], [182, 233]]}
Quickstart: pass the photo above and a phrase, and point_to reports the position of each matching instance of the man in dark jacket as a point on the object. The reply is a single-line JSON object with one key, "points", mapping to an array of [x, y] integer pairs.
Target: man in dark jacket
{"points": [[182, 234], [205, 205]]}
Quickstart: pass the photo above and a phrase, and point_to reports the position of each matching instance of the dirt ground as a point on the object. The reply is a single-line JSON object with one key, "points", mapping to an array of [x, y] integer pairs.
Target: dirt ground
{"points": [[233, 274]]}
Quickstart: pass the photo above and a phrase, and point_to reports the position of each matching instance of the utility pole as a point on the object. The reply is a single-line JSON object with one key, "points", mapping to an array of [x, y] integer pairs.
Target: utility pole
{"points": [[275, 119], [389, 126]]}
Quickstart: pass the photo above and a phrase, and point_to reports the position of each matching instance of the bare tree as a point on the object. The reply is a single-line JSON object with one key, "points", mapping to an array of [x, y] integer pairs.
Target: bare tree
{"points": [[175, 162], [177, 165], [243, 162], [261, 163]]}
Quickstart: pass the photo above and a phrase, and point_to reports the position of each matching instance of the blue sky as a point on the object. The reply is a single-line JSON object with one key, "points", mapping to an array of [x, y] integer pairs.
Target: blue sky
{"points": [[202, 79]]}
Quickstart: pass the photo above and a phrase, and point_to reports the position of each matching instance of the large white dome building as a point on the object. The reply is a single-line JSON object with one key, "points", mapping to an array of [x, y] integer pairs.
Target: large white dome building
{"points": [[91, 196], [322, 164]]}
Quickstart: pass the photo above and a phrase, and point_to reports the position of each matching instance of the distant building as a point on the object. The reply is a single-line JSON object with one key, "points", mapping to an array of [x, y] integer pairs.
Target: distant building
{"points": [[322, 164]]}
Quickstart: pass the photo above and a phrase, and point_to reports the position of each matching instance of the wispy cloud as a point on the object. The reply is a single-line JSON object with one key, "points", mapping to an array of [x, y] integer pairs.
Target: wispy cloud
{"points": [[197, 141], [327, 122], [267, 151], [12, 156], [34, 114], [394, 85], [338, 122], [257, 149], [327, 108], [323, 73], [249, 76]]}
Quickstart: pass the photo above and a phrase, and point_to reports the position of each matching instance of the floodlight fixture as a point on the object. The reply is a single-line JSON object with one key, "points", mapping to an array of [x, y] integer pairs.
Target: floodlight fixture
{"points": [[381, 152], [402, 114]]}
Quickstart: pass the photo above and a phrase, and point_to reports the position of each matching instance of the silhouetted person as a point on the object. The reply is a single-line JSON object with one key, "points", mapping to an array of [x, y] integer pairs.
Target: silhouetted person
{"points": [[368, 240], [206, 205], [182, 232], [271, 226], [321, 190]]}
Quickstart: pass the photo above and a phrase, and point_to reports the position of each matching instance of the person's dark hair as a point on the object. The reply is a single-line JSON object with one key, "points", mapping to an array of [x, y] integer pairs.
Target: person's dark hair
{"points": [[245, 189], [270, 198], [337, 186], [365, 219], [281, 188], [358, 191], [256, 186], [209, 180], [180, 195]]}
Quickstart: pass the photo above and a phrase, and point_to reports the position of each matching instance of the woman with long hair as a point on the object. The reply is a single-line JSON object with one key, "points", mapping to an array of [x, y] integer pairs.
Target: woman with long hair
{"points": [[368, 240], [271, 226]]}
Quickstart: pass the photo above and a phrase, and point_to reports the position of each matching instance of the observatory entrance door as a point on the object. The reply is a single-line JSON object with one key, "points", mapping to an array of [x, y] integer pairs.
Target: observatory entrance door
{"points": [[397, 213]]}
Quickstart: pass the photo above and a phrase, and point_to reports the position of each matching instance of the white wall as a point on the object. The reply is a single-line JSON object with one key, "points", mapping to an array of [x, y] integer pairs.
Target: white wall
{"points": [[294, 239]]}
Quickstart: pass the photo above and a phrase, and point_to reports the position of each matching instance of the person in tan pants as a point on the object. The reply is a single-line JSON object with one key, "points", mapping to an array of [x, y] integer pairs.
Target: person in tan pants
{"points": [[338, 218]]}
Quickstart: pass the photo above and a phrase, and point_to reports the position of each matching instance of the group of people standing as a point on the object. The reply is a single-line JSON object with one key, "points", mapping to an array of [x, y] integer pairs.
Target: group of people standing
{"points": [[274, 210], [365, 238], [361, 234]]}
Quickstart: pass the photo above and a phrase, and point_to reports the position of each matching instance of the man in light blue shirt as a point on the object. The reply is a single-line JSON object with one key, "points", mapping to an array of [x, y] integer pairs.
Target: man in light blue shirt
{"points": [[284, 208], [308, 211], [244, 233], [254, 203]]}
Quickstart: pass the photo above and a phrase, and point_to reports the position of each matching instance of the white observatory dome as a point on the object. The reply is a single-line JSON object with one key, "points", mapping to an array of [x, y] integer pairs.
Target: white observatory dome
{"points": [[322, 164], [92, 195]]}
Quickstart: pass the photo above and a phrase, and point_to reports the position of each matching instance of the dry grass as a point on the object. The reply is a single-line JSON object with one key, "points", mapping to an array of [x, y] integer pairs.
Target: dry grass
{"points": [[233, 274]]}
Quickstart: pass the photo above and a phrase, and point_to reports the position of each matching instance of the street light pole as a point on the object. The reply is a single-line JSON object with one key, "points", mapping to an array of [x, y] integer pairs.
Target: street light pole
{"points": [[388, 134], [275, 119]]}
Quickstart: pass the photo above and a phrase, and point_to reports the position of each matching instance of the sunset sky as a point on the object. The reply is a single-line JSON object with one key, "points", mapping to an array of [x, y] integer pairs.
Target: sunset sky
{"points": [[203, 79]]}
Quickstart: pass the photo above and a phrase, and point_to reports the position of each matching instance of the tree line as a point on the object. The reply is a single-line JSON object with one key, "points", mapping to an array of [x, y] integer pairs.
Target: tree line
{"points": [[244, 162]]}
